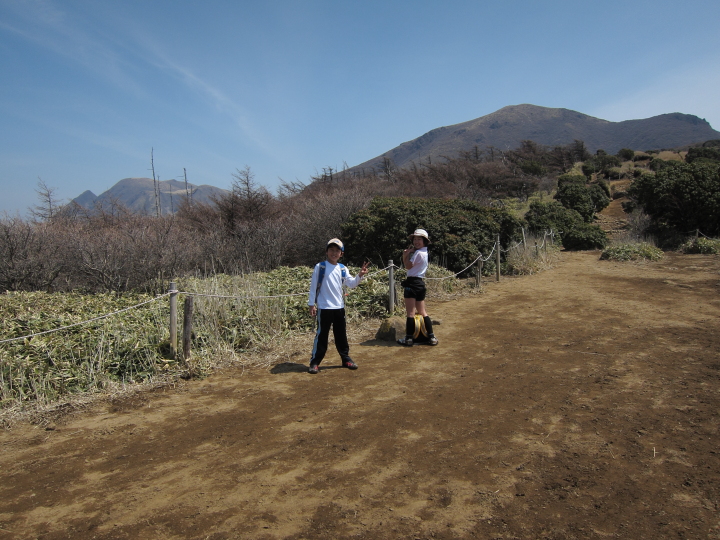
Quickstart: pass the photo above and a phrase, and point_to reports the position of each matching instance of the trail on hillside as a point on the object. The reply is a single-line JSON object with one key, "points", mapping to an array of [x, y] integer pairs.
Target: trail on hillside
{"points": [[581, 402]]}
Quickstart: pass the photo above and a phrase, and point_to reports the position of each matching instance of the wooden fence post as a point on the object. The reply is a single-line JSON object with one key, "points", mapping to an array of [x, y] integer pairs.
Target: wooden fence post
{"points": [[497, 259], [173, 320], [187, 327], [478, 276], [391, 292]]}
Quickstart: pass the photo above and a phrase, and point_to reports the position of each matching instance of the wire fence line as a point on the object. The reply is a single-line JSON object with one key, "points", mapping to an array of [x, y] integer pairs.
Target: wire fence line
{"points": [[518, 244], [172, 293], [240, 296], [479, 257]]}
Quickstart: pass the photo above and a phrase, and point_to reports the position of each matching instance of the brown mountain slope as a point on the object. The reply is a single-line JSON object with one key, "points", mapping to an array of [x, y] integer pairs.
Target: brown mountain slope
{"points": [[506, 128]]}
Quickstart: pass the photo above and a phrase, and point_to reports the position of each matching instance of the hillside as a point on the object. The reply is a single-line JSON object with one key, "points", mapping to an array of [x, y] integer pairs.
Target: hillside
{"points": [[506, 128], [138, 194]]}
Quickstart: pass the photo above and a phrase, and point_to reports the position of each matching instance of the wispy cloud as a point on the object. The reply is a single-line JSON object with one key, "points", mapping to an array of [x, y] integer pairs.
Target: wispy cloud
{"points": [[47, 25], [219, 100], [119, 53]]}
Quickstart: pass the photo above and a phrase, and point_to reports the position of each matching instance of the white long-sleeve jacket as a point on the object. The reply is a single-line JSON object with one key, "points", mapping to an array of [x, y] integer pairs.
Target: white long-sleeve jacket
{"points": [[331, 295]]}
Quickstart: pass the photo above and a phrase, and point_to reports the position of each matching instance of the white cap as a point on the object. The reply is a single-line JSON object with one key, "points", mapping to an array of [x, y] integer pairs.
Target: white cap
{"points": [[337, 242], [420, 232]]}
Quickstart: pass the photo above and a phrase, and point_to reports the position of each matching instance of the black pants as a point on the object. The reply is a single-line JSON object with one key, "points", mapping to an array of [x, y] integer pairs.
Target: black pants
{"points": [[327, 318]]}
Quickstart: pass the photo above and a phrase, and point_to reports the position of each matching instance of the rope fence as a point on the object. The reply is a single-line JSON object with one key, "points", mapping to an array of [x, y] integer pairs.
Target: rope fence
{"points": [[480, 260], [99, 317], [172, 293]]}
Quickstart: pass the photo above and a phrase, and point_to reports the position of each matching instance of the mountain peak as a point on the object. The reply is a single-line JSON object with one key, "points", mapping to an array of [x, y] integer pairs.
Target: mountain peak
{"points": [[506, 128], [138, 195]]}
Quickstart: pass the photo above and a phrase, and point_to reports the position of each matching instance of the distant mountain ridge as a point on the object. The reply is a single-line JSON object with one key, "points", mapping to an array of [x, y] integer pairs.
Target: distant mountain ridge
{"points": [[504, 129], [138, 195], [507, 127]]}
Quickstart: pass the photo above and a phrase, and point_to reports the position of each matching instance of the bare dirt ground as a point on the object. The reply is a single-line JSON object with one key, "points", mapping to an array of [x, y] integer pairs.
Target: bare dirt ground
{"points": [[581, 402]]}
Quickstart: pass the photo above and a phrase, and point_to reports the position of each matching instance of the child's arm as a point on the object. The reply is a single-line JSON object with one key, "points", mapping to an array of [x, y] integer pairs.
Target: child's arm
{"points": [[407, 255], [313, 291], [352, 282]]}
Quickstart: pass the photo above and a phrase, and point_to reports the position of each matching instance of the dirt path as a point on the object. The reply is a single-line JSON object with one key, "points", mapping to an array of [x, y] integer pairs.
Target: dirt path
{"points": [[581, 402]]}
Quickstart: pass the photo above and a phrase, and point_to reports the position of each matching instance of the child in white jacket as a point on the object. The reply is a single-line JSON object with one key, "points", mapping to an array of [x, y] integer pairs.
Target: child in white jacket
{"points": [[327, 302]]}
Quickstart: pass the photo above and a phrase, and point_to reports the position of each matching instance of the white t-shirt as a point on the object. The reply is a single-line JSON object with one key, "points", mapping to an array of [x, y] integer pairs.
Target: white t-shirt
{"points": [[419, 261], [331, 292]]}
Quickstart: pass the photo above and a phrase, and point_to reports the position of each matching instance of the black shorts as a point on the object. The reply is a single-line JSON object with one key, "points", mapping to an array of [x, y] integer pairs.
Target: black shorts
{"points": [[414, 287]]}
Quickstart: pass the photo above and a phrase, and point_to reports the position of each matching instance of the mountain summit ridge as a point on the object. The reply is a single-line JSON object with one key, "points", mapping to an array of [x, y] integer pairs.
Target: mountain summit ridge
{"points": [[138, 195], [505, 129]]}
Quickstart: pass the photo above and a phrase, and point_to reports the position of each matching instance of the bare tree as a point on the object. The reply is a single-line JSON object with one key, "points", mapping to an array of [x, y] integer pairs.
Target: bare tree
{"points": [[253, 200], [387, 168], [48, 206], [188, 192], [156, 183], [32, 255]]}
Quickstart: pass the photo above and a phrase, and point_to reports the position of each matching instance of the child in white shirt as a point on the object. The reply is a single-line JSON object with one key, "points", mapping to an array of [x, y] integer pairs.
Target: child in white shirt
{"points": [[327, 302], [415, 260]]}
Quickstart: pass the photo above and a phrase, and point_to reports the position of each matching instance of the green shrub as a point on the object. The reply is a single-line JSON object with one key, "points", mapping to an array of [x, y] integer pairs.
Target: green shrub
{"points": [[584, 236], [459, 230], [604, 186], [577, 197], [681, 196], [658, 164], [599, 196], [533, 168], [570, 178], [706, 246], [703, 154], [632, 252], [551, 215], [600, 164]]}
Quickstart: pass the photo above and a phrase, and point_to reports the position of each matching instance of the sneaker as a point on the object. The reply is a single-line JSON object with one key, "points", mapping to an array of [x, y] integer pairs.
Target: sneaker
{"points": [[433, 341], [349, 364], [406, 342], [314, 368]]}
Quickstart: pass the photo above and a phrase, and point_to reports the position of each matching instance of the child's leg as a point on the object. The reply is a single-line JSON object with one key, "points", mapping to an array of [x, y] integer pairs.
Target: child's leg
{"points": [[340, 334], [420, 306], [324, 320], [410, 306]]}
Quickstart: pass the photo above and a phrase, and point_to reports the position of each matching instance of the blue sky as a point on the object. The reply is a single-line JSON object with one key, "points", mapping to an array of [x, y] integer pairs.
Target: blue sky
{"points": [[89, 87]]}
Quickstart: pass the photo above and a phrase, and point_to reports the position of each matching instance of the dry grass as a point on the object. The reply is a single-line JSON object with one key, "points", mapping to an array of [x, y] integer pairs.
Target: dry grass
{"points": [[535, 255], [669, 155]]}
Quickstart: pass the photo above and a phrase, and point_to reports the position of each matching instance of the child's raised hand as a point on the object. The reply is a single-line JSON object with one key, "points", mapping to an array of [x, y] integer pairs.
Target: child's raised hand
{"points": [[364, 269]]}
